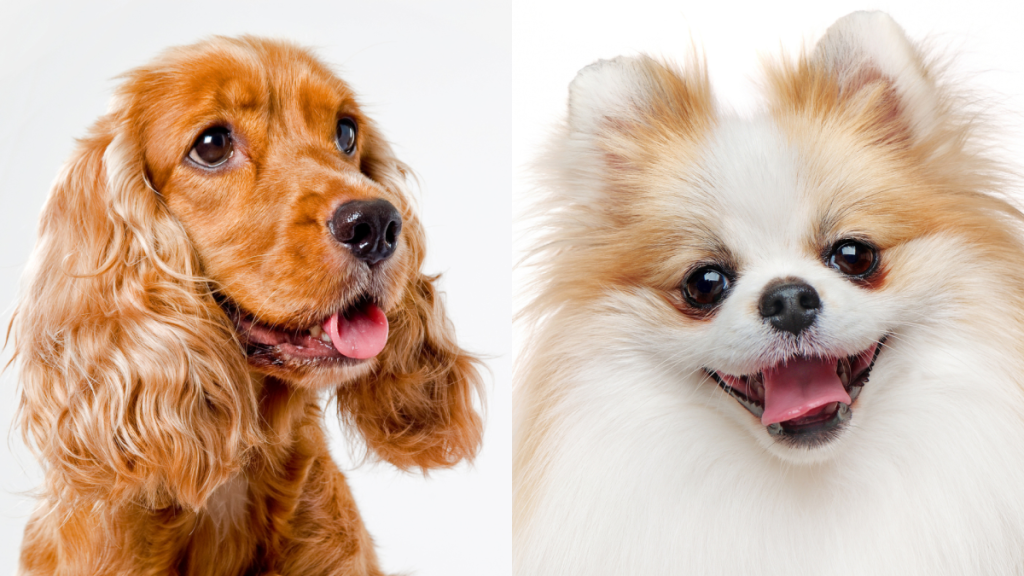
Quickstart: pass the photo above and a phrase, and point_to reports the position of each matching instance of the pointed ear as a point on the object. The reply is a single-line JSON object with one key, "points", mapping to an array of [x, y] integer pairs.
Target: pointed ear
{"points": [[638, 90], [134, 388], [623, 113], [876, 67], [417, 409], [608, 90]]}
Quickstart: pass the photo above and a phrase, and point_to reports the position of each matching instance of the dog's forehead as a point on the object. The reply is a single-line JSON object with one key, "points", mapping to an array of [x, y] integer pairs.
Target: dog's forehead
{"points": [[750, 177], [253, 85], [260, 74]]}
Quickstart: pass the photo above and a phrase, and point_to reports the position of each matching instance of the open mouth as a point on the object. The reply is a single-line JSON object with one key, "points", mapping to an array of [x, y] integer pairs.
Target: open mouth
{"points": [[804, 400], [348, 336]]}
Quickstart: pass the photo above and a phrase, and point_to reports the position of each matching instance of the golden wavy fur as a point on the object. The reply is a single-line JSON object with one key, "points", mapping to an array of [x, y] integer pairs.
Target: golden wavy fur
{"points": [[169, 446]]}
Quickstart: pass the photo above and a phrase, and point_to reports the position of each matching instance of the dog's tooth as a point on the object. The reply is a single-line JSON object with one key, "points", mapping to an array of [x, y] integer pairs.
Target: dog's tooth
{"points": [[843, 371], [316, 331], [757, 386], [326, 338]]}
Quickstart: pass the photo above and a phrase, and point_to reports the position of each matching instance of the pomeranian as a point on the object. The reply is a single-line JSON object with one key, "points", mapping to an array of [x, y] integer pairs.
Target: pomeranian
{"points": [[789, 344]]}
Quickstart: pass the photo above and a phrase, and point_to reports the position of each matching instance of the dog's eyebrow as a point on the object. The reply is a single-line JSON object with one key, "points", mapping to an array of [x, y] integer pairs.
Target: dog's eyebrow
{"points": [[826, 223], [716, 249], [319, 101], [242, 94], [830, 223], [833, 213]]}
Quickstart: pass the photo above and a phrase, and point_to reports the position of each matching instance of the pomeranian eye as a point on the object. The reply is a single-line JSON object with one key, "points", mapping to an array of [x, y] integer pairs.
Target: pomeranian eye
{"points": [[705, 287], [346, 136], [853, 258], [212, 148]]}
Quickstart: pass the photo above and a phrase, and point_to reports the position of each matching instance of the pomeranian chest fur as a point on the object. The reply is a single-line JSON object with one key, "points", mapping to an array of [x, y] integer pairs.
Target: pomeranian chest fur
{"points": [[787, 344]]}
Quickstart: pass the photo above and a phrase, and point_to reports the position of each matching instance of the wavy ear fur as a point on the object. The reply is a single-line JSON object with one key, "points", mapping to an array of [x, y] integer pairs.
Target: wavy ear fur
{"points": [[134, 386], [416, 409]]}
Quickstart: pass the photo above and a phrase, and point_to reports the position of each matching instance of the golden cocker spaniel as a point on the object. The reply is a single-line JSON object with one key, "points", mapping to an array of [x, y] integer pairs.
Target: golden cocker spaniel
{"points": [[232, 238]]}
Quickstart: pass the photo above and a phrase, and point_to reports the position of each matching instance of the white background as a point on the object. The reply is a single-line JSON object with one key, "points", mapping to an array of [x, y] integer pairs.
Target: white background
{"points": [[467, 91]]}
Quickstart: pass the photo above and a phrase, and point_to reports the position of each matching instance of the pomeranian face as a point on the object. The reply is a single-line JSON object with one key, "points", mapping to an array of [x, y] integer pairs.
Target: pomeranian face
{"points": [[787, 261], [782, 272]]}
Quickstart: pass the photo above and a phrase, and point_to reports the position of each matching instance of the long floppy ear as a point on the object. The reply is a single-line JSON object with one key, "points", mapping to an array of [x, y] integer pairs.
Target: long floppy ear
{"points": [[134, 388], [417, 409]]}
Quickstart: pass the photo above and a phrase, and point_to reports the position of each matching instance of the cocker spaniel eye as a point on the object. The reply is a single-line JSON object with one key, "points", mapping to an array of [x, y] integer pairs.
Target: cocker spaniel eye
{"points": [[346, 136], [213, 147]]}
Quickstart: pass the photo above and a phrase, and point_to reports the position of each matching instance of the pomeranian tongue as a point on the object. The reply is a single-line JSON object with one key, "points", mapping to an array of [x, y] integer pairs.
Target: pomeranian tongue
{"points": [[361, 333], [798, 387]]}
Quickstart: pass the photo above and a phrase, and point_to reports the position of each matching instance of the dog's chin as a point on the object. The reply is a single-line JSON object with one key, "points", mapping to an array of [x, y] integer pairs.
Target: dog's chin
{"points": [[316, 377], [813, 429], [302, 356]]}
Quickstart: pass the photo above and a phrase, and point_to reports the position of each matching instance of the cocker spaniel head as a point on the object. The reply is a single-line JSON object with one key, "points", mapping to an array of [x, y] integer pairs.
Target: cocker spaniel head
{"points": [[235, 214]]}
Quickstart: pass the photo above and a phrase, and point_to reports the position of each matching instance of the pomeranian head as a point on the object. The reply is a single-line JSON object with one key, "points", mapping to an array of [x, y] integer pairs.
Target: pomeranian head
{"points": [[789, 272]]}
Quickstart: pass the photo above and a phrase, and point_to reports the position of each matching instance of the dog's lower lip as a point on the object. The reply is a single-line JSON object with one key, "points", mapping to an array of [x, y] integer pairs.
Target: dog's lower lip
{"points": [[814, 429], [270, 345], [752, 394]]}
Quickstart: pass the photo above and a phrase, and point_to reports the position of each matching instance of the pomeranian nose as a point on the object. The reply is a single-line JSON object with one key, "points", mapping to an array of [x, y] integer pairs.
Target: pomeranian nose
{"points": [[790, 307]]}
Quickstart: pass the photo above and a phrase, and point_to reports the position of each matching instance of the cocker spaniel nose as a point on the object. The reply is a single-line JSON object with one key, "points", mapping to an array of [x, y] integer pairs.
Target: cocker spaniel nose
{"points": [[790, 307], [369, 228]]}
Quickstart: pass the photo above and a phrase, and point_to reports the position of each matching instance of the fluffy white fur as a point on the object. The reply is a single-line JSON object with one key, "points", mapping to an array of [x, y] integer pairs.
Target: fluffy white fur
{"points": [[631, 461]]}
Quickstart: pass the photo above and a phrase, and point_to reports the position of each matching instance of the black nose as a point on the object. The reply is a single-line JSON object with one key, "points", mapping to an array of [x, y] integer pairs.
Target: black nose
{"points": [[791, 306], [369, 228]]}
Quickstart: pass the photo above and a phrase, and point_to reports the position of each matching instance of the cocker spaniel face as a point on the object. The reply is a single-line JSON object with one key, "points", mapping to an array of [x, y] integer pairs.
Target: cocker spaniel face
{"points": [[233, 212], [283, 186]]}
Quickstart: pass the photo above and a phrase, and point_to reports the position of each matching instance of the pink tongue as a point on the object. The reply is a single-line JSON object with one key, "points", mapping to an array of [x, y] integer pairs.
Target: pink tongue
{"points": [[798, 387], [360, 335]]}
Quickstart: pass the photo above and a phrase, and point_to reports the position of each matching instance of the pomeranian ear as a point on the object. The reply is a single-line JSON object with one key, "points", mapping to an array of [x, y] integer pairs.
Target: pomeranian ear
{"points": [[608, 90], [134, 388], [626, 91], [876, 67], [622, 114]]}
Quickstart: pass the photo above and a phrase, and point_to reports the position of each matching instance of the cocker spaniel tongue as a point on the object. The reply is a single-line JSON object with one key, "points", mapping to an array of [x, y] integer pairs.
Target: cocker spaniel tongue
{"points": [[361, 333], [799, 387]]}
